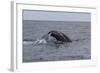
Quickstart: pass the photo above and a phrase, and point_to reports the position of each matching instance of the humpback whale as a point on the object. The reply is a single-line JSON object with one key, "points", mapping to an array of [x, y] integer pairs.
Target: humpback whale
{"points": [[59, 36], [53, 37]]}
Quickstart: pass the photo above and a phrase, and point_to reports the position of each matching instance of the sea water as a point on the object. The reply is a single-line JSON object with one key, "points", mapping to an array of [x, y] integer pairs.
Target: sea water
{"points": [[78, 32]]}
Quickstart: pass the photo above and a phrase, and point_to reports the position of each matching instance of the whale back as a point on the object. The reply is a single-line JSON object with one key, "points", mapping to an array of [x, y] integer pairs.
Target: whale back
{"points": [[59, 36]]}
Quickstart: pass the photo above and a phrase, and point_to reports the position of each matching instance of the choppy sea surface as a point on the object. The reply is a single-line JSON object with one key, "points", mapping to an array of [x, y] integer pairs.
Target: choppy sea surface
{"points": [[78, 32]]}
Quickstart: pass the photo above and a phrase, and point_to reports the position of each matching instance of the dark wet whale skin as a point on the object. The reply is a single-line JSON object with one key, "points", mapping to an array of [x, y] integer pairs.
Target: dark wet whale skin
{"points": [[59, 36]]}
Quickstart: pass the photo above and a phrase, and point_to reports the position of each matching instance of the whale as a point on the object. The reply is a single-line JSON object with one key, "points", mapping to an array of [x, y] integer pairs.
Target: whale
{"points": [[59, 36], [51, 38]]}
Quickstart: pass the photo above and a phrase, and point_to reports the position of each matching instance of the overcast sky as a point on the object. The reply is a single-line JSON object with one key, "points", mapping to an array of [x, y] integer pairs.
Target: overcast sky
{"points": [[55, 16]]}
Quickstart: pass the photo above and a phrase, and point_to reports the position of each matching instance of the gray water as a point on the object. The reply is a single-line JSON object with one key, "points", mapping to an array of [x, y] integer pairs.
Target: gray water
{"points": [[78, 32]]}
